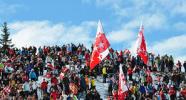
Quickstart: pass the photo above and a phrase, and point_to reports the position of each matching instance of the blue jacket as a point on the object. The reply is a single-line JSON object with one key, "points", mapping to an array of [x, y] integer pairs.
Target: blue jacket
{"points": [[32, 75], [29, 67], [142, 89]]}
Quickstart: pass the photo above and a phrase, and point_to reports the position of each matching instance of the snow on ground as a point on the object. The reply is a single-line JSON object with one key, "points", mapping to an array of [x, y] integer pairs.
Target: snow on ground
{"points": [[102, 88]]}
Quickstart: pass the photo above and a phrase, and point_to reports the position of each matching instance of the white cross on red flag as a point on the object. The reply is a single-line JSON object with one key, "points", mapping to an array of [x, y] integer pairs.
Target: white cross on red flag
{"points": [[141, 46], [100, 47]]}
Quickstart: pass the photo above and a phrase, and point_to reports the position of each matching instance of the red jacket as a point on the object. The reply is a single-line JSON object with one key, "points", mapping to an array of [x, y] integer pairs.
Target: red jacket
{"points": [[87, 56], [25, 78], [183, 92], [53, 95], [162, 95], [54, 80], [44, 85], [149, 79], [172, 91], [11, 52], [129, 71]]}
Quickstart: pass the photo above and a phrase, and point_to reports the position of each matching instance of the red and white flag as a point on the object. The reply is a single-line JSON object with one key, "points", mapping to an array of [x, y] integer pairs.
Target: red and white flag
{"points": [[122, 84], [100, 47], [141, 45], [7, 90]]}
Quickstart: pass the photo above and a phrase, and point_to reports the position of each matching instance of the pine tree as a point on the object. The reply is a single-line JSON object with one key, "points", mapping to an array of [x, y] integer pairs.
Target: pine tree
{"points": [[4, 40]]}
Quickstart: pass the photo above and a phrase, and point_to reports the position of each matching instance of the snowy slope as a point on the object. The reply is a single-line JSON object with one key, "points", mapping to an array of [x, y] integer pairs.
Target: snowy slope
{"points": [[102, 88]]}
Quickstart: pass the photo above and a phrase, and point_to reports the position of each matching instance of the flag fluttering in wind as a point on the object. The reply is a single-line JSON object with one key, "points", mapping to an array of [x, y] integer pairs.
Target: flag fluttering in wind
{"points": [[100, 47], [141, 45], [122, 84]]}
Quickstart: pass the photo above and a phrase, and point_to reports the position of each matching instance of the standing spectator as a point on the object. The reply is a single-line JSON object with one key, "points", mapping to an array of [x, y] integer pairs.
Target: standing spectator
{"points": [[26, 88], [129, 72], [54, 80], [39, 93], [162, 95], [104, 72], [44, 86], [178, 66], [66, 83], [63, 96], [149, 79], [110, 87], [32, 75], [53, 94], [87, 81], [170, 63], [34, 87], [92, 83], [150, 90], [184, 65], [82, 83], [142, 90], [183, 93], [96, 95], [172, 93], [89, 95]]}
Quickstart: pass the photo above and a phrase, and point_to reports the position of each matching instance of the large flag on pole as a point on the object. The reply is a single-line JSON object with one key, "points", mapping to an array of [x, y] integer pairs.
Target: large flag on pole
{"points": [[141, 45], [122, 84], [100, 47]]}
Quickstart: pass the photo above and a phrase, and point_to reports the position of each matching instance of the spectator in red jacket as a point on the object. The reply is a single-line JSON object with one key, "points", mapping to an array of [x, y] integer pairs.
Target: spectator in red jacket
{"points": [[129, 72], [183, 93], [172, 93], [149, 79], [162, 95], [53, 95], [54, 80], [25, 77], [44, 86]]}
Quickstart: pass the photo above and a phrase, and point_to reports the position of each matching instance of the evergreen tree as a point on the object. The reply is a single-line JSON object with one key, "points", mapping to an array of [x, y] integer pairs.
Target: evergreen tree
{"points": [[4, 39]]}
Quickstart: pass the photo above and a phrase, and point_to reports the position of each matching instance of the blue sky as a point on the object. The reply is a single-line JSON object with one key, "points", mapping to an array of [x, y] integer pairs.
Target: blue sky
{"points": [[49, 22]]}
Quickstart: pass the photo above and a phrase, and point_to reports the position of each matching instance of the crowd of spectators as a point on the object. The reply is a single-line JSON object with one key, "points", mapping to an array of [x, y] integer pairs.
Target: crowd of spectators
{"points": [[62, 73]]}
